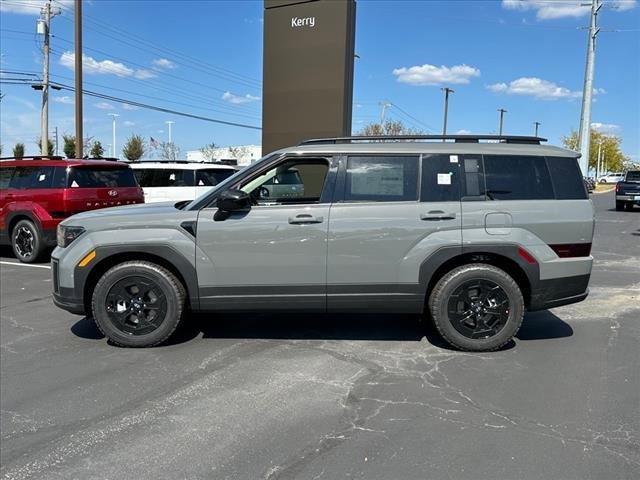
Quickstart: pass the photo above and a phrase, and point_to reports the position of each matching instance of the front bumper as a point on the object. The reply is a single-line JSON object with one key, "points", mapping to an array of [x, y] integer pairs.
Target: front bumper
{"points": [[69, 303]]}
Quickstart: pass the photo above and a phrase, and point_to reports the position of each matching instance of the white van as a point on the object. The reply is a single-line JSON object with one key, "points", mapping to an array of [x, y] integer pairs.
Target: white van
{"points": [[178, 180]]}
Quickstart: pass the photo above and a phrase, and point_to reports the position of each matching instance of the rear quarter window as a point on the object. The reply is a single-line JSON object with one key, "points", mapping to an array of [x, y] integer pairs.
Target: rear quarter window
{"points": [[164, 177], [90, 177], [514, 177], [567, 178], [211, 177], [32, 178], [5, 176]]}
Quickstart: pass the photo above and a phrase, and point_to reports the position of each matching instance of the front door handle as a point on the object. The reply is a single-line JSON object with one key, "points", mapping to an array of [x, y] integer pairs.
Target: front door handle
{"points": [[305, 218], [437, 215]]}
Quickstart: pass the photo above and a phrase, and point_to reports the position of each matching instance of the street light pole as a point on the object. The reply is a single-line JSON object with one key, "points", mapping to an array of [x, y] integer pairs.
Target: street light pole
{"points": [[446, 91], [502, 112], [584, 135], [537, 124], [113, 132], [169, 123], [44, 25], [78, 75]]}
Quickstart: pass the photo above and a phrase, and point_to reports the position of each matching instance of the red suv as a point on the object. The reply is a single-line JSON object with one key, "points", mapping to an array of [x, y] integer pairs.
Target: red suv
{"points": [[37, 193]]}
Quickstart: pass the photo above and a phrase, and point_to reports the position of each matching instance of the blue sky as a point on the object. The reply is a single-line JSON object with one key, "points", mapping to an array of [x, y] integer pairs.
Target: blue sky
{"points": [[205, 58]]}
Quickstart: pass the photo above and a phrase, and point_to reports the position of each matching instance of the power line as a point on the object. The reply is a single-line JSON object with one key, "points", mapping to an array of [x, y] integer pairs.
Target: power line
{"points": [[197, 64], [412, 117]]}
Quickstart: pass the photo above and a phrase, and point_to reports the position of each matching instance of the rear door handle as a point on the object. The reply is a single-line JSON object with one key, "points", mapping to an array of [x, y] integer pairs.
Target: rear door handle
{"points": [[435, 215], [305, 218]]}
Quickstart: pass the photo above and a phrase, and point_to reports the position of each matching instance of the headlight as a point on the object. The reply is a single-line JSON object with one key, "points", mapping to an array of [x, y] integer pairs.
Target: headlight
{"points": [[65, 235]]}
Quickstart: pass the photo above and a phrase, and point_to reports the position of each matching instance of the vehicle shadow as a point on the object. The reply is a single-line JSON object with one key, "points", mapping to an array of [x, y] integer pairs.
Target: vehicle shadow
{"points": [[353, 327]]}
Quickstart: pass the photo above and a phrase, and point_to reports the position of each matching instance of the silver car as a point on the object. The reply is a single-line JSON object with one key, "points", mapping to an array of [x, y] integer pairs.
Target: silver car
{"points": [[468, 233]]}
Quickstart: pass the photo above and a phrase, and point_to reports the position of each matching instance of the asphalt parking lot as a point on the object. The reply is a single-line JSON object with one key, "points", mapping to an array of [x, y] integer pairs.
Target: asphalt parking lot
{"points": [[315, 397]]}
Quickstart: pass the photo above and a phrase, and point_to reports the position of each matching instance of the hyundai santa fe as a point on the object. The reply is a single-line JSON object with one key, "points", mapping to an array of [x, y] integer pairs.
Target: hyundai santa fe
{"points": [[470, 232]]}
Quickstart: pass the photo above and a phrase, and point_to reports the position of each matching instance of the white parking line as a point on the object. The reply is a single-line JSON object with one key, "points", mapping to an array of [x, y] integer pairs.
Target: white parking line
{"points": [[16, 264]]}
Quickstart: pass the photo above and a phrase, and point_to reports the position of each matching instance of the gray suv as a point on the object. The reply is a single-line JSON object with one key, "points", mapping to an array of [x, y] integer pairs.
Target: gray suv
{"points": [[471, 232]]}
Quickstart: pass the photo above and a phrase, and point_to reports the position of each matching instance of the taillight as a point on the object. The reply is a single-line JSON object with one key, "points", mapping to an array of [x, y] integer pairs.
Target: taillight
{"points": [[569, 250], [618, 187]]}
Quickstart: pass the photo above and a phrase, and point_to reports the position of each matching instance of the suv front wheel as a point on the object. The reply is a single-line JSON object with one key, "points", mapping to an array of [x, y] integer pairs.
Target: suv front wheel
{"points": [[477, 307], [138, 304], [26, 241]]}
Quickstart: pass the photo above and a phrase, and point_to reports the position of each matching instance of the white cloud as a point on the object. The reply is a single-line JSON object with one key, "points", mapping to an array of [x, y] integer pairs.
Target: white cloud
{"points": [[127, 106], [463, 132], [550, 10], [128, 123], [605, 127], [237, 99], [143, 74], [64, 99], [28, 7], [431, 75], [104, 67], [534, 87], [164, 63], [104, 106]]}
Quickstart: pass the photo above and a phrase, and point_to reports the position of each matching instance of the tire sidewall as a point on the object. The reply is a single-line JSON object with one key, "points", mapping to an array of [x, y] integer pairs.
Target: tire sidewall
{"points": [[37, 241], [464, 274], [120, 272]]}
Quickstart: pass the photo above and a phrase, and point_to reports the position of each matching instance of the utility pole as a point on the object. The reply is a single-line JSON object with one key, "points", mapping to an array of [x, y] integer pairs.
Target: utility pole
{"points": [[384, 106], [598, 166], [584, 135], [43, 28], [169, 123], [113, 133], [77, 20], [537, 124], [446, 91], [502, 112]]}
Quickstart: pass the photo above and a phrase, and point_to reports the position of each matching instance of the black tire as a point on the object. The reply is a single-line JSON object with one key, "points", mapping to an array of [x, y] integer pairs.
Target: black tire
{"points": [[27, 242], [457, 331], [125, 315], [619, 206]]}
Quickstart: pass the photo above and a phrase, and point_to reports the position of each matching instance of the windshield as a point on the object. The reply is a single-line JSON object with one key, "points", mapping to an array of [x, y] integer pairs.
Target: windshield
{"points": [[202, 200]]}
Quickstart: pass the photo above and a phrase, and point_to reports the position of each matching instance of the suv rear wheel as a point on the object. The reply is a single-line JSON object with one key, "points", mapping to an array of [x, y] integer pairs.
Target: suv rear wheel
{"points": [[27, 242], [477, 307], [138, 304]]}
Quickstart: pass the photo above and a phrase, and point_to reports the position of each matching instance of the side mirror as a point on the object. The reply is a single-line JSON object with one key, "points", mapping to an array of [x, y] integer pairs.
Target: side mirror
{"points": [[234, 201]]}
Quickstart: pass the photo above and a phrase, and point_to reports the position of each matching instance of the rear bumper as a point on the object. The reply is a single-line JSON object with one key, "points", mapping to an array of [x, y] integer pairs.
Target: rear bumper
{"points": [[629, 198], [559, 291]]}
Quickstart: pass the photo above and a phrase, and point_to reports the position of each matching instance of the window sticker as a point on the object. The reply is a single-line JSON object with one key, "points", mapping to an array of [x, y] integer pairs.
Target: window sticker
{"points": [[444, 179], [453, 158], [74, 184], [42, 177], [377, 179]]}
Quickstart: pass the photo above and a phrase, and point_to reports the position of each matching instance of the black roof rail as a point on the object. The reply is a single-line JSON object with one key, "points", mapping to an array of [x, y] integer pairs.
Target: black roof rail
{"points": [[34, 157], [521, 139]]}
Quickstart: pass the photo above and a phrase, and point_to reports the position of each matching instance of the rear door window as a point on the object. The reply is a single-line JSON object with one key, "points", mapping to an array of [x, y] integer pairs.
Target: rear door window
{"points": [[381, 179], [567, 178], [212, 176], [440, 178], [89, 177], [5, 176], [32, 177], [515, 177], [164, 177]]}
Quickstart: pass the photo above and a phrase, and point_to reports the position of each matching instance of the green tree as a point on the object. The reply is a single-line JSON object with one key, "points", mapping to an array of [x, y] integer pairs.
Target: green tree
{"points": [[390, 127], [96, 150], [18, 150], [209, 151], [49, 146], [609, 145], [69, 146], [134, 148]]}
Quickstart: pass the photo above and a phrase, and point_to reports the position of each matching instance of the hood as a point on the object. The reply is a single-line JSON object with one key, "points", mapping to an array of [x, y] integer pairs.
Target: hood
{"points": [[128, 211]]}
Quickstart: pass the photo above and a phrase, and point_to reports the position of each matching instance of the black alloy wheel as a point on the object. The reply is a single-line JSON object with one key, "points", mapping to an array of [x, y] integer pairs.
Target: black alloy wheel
{"points": [[478, 308]]}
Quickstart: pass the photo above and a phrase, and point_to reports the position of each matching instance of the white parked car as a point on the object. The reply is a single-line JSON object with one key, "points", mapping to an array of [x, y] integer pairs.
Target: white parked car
{"points": [[180, 180], [611, 178]]}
